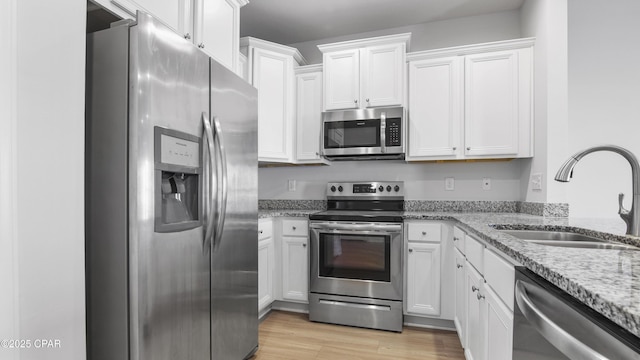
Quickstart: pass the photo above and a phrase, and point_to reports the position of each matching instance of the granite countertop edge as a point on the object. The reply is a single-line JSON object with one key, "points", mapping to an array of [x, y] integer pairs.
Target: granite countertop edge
{"points": [[593, 277]]}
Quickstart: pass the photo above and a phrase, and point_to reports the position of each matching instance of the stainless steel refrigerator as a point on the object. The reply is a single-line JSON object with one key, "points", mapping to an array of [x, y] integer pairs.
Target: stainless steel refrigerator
{"points": [[171, 199]]}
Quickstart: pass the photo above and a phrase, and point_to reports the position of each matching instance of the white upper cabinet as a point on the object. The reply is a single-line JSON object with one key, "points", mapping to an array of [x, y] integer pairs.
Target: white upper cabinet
{"points": [[471, 102], [217, 29], [365, 73], [435, 107], [213, 25], [271, 70], [308, 114]]}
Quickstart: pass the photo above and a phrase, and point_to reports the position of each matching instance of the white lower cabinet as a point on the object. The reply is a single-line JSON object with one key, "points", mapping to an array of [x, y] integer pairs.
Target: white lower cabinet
{"points": [[295, 260], [423, 281], [484, 301], [460, 318], [266, 263]]}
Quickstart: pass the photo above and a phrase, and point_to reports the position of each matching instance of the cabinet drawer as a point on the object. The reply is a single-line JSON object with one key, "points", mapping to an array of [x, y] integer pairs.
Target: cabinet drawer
{"points": [[458, 238], [295, 227], [265, 228], [475, 253], [428, 232], [500, 275]]}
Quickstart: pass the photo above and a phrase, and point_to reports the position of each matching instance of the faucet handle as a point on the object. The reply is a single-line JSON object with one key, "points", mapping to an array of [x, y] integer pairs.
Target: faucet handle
{"points": [[621, 209]]}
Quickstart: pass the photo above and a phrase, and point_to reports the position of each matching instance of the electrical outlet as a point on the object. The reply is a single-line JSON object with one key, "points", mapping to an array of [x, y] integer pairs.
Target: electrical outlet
{"points": [[486, 183], [449, 184], [536, 181], [292, 185]]}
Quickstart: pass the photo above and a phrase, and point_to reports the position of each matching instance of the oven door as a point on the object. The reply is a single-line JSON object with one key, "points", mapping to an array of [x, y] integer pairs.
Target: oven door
{"points": [[356, 259]]}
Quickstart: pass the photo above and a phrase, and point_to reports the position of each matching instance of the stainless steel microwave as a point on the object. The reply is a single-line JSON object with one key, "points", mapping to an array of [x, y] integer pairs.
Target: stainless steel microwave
{"points": [[364, 134]]}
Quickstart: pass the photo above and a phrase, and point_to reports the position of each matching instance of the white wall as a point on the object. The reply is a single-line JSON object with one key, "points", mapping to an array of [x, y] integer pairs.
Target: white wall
{"points": [[8, 238], [423, 181], [434, 35], [46, 187], [604, 101], [546, 20]]}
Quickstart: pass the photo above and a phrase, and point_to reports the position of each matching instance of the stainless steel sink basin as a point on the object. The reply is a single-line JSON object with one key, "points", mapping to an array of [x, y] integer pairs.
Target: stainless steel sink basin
{"points": [[566, 239]]}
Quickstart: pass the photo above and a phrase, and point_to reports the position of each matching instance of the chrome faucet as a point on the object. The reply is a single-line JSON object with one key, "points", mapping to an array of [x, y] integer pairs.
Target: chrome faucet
{"points": [[630, 217]]}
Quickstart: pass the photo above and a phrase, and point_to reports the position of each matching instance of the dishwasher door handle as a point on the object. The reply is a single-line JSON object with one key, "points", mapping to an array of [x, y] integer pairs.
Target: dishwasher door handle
{"points": [[552, 332]]}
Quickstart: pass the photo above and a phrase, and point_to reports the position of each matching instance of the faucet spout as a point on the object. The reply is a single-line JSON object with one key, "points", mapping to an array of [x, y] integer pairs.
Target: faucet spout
{"points": [[632, 216]]}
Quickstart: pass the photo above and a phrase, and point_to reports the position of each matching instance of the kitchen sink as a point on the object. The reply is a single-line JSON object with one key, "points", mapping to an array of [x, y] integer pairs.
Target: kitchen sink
{"points": [[566, 239]]}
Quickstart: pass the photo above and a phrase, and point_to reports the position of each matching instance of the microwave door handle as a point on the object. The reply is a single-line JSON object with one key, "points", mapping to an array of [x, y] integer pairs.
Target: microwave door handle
{"points": [[208, 184], [383, 132], [222, 204]]}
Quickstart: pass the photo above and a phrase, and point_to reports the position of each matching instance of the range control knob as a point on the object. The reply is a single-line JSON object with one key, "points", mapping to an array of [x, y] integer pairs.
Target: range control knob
{"points": [[381, 188], [333, 189], [389, 188], [396, 188], [340, 188]]}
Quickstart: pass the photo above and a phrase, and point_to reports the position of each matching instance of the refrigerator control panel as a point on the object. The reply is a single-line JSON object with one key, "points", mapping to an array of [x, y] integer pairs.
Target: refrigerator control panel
{"points": [[177, 151]]}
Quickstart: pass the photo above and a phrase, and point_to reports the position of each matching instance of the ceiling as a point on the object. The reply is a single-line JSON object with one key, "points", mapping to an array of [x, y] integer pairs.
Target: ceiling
{"points": [[293, 21]]}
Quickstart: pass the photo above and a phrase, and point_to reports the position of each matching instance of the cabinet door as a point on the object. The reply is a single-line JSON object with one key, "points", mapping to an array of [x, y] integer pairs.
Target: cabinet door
{"points": [[461, 296], [435, 108], [498, 327], [382, 82], [342, 79], [217, 30], [273, 77], [475, 314], [295, 268], [308, 117], [266, 262], [423, 278], [491, 103]]}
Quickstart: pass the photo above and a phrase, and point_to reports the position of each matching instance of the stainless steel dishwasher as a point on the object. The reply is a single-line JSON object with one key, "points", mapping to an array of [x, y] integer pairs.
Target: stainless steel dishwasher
{"points": [[550, 324]]}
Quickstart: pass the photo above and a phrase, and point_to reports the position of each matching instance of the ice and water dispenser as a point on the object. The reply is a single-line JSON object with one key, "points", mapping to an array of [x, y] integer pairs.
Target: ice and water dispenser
{"points": [[178, 189]]}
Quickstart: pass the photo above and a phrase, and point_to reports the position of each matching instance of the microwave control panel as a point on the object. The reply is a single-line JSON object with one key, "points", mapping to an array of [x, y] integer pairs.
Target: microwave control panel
{"points": [[393, 132]]}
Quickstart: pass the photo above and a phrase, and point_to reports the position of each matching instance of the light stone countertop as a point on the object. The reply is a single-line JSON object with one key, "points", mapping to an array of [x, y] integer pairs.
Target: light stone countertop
{"points": [[606, 280]]}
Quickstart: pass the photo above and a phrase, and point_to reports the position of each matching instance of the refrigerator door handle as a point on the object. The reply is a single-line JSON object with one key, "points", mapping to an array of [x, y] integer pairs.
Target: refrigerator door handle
{"points": [[222, 206], [209, 194]]}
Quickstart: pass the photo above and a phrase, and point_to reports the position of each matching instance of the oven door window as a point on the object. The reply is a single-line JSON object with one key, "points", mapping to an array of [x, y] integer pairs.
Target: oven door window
{"points": [[361, 257], [352, 134]]}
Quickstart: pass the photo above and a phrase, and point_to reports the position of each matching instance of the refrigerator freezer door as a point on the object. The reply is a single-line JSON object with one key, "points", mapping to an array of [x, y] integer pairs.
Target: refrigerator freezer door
{"points": [[234, 257], [169, 277]]}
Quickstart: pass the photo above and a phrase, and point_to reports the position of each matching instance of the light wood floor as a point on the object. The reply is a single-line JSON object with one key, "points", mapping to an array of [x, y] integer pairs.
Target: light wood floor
{"points": [[285, 335]]}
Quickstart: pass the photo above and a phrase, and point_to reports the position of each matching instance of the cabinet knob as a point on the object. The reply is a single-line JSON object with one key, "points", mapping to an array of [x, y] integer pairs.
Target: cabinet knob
{"points": [[455, 238], [458, 266], [201, 45], [410, 250], [293, 227], [468, 147], [355, 101], [454, 148], [304, 245], [424, 233], [317, 154], [474, 288], [480, 296], [187, 36], [367, 100], [260, 231]]}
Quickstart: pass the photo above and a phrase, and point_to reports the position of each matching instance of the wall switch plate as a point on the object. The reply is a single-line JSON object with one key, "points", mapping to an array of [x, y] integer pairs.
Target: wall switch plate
{"points": [[292, 185], [486, 183], [536, 181], [449, 184]]}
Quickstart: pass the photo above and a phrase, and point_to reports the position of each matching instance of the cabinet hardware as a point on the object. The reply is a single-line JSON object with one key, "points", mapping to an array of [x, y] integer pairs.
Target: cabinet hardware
{"points": [[474, 288], [458, 266], [367, 100], [304, 245], [410, 250], [468, 148], [480, 296], [454, 148], [455, 238], [187, 36], [424, 233], [355, 101], [260, 231], [201, 45], [294, 228]]}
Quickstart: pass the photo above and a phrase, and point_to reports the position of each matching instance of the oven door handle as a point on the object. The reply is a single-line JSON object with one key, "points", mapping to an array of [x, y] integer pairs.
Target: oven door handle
{"points": [[357, 227]]}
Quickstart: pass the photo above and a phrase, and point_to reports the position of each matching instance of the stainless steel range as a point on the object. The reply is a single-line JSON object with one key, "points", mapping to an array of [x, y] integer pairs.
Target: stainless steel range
{"points": [[356, 256]]}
